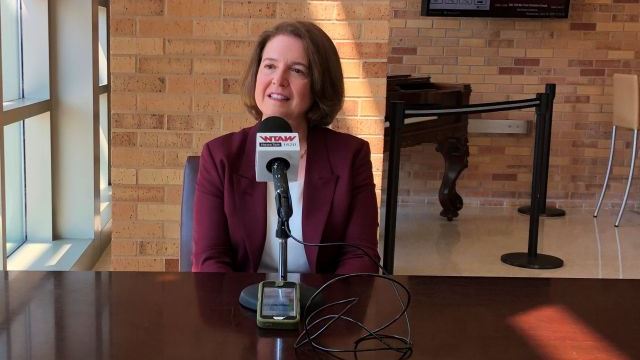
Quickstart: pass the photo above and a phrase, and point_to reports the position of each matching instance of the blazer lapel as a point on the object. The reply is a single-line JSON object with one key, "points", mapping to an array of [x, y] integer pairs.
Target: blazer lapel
{"points": [[319, 188], [250, 198]]}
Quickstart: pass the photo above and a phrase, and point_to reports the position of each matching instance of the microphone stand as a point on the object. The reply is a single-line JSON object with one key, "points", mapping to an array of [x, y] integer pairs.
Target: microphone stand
{"points": [[284, 208]]}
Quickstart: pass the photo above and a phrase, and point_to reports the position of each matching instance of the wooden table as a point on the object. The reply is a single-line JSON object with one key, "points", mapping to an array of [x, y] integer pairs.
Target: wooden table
{"points": [[84, 315], [448, 132]]}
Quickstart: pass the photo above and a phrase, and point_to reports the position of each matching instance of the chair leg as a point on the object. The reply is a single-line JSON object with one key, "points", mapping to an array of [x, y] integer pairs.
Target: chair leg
{"points": [[606, 178], [634, 151]]}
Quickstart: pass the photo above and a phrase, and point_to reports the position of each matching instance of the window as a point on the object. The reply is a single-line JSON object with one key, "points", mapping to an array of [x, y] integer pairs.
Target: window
{"points": [[11, 54], [14, 185], [25, 123]]}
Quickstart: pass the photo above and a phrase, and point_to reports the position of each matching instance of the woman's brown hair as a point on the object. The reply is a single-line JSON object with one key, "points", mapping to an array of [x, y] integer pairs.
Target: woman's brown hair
{"points": [[325, 71]]}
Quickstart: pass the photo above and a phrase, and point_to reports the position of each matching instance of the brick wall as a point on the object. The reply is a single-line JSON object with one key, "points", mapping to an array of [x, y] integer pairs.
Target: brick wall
{"points": [[176, 67], [512, 59]]}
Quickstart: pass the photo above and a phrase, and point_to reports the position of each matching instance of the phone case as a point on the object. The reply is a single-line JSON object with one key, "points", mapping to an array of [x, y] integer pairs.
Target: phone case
{"points": [[278, 324]]}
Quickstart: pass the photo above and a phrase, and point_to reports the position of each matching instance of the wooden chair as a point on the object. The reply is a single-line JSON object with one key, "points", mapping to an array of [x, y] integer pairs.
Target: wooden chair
{"points": [[626, 114]]}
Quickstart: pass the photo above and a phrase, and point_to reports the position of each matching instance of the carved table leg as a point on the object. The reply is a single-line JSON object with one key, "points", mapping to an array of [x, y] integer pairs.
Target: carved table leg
{"points": [[455, 152]]}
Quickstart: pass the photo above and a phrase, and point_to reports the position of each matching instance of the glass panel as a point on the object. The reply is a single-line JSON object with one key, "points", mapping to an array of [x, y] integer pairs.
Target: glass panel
{"points": [[11, 62], [102, 49], [14, 185], [104, 148]]}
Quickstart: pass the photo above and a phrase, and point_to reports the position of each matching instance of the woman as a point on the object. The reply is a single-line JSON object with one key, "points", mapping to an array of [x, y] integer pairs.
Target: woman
{"points": [[295, 73]]}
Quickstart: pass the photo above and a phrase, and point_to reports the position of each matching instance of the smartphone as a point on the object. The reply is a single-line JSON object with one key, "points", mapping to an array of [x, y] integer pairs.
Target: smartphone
{"points": [[278, 305]]}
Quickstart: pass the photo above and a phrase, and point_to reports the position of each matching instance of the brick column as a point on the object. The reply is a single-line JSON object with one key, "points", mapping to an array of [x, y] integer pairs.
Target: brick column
{"points": [[176, 67]]}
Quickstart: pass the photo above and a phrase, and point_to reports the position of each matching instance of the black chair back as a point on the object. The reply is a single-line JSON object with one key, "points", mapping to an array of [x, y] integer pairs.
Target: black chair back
{"points": [[186, 215]]}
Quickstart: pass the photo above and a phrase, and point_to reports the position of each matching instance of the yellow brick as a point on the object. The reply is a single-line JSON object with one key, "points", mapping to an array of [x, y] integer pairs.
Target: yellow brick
{"points": [[474, 43], [173, 140], [351, 68], [372, 108], [123, 26], [470, 60], [508, 52], [192, 47], [375, 30], [249, 9], [422, 23], [633, 26], [160, 176], [142, 7], [123, 102], [622, 54], [218, 104], [431, 51], [172, 230], [129, 158], [164, 103], [137, 193], [227, 28], [306, 10], [455, 69], [207, 85], [446, 24], [375, 69], [123, 176], [223, 67], [173, 195], [194, 8], [137, 83], [238, 47], [366, 88], [472, 79], [539, 53], [497, 79], [158, 212], [124, 211], [359, 50], [151, 264], [120, 263], [155, 65], [136, 229], [165, 27], [589, 90], [123, 64], [341, 31], [139, 46], [257, 26], [235, 122], [610, 27], [485, 70], [122, 247], [371, 10], [180, 84], [430, 69], [170, 248]]}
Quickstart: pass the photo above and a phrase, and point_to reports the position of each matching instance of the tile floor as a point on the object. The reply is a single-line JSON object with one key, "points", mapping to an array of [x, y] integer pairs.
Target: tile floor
{"points": [[472, 244]]}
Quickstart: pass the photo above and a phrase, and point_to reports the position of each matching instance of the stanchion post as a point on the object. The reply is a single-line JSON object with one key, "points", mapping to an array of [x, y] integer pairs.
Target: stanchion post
{"points": [[531, 259], [549, 211], [550, 90], [536, 182], [396, 122]]}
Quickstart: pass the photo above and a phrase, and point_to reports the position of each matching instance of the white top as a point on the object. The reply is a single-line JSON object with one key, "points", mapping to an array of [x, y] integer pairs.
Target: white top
{"points": [[296, 257]]}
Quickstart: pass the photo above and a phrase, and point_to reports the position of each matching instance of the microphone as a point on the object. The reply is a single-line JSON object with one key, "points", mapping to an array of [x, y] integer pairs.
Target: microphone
{"points": [[278, 151]]}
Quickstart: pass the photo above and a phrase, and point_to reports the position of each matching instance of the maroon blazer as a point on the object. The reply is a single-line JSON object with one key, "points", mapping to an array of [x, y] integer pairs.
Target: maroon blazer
{"points": [[339, 204]]}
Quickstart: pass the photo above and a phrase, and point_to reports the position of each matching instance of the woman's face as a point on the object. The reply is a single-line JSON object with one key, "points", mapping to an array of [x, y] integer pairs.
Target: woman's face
{"points": [[282, 84]]}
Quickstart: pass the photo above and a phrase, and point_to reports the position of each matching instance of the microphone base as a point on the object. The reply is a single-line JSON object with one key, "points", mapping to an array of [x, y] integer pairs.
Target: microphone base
{"points": [[249, 297]]}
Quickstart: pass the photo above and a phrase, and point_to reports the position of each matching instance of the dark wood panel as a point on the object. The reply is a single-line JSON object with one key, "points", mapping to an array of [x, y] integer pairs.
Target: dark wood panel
{"points": [[82, 315]]}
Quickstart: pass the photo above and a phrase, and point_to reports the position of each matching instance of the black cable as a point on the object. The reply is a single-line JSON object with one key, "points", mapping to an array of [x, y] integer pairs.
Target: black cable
{"points": [[310, 323]]}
